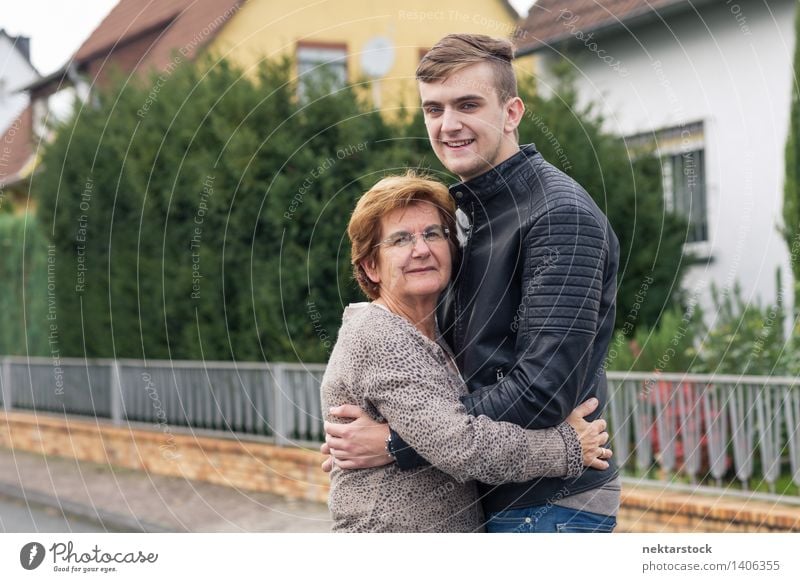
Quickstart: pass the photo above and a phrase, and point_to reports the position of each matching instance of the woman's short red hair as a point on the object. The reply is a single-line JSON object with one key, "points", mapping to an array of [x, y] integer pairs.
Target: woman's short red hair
{"points": [[389, 194]]}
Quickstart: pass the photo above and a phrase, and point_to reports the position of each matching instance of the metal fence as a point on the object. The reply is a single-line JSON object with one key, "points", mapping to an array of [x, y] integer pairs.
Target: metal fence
{"points": [[273, 400], [709, 429], [692, 429]]}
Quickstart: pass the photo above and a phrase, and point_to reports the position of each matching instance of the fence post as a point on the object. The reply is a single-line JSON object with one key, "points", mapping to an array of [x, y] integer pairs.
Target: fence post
{"points": [[281, 422], [116, 393], [5, 385]]}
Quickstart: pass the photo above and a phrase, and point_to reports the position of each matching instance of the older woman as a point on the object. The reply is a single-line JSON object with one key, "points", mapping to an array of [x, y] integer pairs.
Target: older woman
{"points": [[390, 361]]}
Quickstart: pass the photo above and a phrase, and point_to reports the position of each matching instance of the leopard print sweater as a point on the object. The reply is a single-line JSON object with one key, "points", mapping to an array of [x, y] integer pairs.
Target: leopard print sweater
{"points": [[383, 364]]}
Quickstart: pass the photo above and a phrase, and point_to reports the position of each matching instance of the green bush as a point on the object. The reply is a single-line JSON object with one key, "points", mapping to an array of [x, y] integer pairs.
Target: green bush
{"points": [[23, 286], [739, 337], [203, 214], [215, 207], [745, 338], [668, 347]]}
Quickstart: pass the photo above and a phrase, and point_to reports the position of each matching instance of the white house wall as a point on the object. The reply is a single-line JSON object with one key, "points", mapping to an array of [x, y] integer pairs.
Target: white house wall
{"points": [[730, 68], [15, 72]]}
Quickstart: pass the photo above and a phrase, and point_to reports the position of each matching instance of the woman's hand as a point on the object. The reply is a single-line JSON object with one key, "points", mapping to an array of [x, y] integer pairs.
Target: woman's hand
{"points": [[592, 435], [359, 444]]}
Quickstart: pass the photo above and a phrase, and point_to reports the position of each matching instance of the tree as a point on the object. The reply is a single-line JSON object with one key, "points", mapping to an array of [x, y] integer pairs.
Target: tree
{"points": [[208, 210], [791, 188]]}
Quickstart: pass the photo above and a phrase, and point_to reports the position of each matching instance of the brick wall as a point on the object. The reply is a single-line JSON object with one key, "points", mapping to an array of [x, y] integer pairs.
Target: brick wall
{"points": [[258, 466], [295, 472], [647, 510]]}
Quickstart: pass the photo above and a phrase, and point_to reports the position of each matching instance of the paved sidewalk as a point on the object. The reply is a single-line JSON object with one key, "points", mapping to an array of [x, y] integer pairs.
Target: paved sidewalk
{"points": [[128, 500], [17, 516]]}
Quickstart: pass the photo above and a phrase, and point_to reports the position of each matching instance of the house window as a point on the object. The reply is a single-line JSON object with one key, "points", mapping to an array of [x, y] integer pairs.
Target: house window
{"points": [[685, 191], [321, 64], [683, 173]]}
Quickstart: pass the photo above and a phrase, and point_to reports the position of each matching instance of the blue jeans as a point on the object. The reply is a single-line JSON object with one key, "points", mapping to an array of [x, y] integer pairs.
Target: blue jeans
{"points": [[549, 519]]}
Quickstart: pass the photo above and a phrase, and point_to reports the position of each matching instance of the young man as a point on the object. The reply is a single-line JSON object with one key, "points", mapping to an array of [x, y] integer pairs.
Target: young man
{"points": [[531, 311]]}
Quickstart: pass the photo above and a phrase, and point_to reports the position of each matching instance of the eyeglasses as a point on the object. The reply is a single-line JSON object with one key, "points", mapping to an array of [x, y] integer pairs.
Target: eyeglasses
{"points": [[431, 235]]}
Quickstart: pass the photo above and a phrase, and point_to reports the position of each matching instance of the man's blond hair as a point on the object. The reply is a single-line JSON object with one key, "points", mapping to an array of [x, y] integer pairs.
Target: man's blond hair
{"points": [[458, 51]]}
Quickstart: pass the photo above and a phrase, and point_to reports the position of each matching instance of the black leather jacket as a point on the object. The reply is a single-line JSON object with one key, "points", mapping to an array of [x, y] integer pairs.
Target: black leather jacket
{"points": [[530, 312]]}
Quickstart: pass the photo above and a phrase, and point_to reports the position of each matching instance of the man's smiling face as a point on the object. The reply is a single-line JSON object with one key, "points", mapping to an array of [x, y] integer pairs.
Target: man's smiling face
{"points": [[470, 130]]}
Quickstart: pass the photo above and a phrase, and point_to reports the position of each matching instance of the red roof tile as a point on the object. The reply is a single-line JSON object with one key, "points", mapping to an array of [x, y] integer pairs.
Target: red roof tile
{"points": [[547, 21], [170, 25], [135, 35]]}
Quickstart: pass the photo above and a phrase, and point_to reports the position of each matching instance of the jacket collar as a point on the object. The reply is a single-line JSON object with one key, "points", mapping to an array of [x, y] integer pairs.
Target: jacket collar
{"points": [[483, 187]]}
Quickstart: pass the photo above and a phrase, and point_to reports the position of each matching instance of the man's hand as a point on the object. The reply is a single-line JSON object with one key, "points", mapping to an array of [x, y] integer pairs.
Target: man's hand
{"points": [[360, 444], [593, 435]]}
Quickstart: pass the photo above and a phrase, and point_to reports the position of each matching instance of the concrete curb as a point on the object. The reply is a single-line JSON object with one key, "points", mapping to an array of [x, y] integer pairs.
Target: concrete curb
{"points": [[108, 520]]}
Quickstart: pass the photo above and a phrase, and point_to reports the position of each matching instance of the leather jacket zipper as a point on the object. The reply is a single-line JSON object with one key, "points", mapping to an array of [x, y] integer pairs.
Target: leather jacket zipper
{"points": [[460, 324]]}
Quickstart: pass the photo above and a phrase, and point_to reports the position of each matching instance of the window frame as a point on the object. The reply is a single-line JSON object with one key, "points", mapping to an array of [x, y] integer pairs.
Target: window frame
{"points": [[668, 144], [300, 45]]}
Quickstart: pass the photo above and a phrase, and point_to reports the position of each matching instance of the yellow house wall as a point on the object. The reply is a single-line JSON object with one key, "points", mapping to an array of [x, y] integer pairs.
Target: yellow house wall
{"points": [[268, 28]]}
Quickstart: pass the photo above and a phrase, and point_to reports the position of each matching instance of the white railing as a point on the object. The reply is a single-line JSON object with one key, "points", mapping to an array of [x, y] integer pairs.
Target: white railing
{"points": [[683, 428], [708, 429]]}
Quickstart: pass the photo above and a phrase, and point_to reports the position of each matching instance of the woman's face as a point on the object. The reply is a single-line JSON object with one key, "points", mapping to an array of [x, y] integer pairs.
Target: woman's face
{"points": [[419, 270]]}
